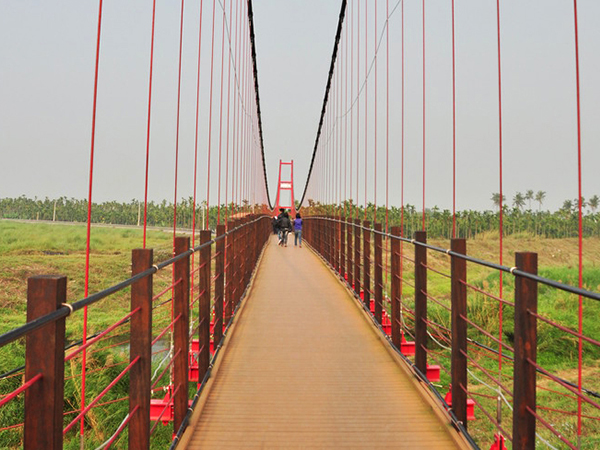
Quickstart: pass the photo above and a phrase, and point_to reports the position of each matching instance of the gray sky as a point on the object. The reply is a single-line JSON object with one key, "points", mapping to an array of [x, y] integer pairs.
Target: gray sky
{"points": [[46, 79]]}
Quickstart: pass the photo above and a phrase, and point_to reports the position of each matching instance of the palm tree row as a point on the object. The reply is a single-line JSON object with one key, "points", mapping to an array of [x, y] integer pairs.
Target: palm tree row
{"points": [[469, 223], [439, 223], [160, 214]]}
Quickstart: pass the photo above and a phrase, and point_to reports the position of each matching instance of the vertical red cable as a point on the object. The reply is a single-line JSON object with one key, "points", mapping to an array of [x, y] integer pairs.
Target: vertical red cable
{"points": [[357, 101], [402, 175], [212, 58], [196, 134], [453, 128], [221, 114], [351, 150], [346, 116], [387, 128], [193, 259], [148, 126], [375, 121], [580, 219], [177, 126], [366, 101], [89, 218], [228, 108], [423, 114], [501, 231]]}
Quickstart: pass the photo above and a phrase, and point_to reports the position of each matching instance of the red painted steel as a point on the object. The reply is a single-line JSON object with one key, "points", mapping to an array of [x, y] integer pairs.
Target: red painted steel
{"points": [[285, 185]]}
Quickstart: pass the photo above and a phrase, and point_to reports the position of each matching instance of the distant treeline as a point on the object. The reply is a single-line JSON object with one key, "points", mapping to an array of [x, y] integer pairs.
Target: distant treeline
{"points": [[558, 224], [161, 214], [518, 219]]}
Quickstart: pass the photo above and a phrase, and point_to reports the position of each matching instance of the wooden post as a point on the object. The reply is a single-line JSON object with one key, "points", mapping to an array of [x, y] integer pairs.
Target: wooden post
{"points": [[229, 286], [357, 256], [378, 281], [45, 355], [421, 302], [330, 241], [367, 264], [342, 270], [525, 349], [219, 286], [350, 253], [140, 341], [239, 261], [181, 309], [458, 271], [395, 289], [336, 242], [204, 305]]}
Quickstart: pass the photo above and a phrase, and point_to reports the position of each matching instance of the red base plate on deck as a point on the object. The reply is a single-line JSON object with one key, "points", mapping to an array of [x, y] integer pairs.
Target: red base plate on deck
{"points": [[470, 405]]}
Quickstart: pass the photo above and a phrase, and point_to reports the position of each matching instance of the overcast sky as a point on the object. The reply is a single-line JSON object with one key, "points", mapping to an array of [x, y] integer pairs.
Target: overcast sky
{"points": [[47, 53]]}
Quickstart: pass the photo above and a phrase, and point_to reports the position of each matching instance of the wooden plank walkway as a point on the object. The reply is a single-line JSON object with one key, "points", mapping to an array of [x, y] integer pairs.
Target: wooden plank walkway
{"points": [[304, 367]]}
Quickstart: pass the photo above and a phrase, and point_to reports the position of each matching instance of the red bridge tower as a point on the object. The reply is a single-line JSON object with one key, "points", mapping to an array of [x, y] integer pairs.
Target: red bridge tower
{"points": [[285, 189]]}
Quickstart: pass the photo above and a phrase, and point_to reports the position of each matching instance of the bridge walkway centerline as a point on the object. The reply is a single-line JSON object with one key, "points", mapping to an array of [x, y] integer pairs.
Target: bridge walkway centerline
{"points": [[304, 367]]}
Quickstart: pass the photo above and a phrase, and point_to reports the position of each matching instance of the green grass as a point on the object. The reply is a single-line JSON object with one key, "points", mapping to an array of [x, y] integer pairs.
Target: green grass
{"points": [[28, 249], [557, 350]]}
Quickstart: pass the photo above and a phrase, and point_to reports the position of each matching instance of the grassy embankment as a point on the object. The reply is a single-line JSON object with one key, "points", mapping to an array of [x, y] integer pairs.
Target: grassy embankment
{"points": [[557, 350], [28, 249]]}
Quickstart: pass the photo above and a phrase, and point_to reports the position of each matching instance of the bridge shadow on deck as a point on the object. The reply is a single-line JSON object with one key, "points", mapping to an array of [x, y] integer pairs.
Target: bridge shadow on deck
{"points": [[304, 367]]}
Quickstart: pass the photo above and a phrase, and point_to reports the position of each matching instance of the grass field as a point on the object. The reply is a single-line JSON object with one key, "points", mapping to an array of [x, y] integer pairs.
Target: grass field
{"points": [[28, 249]]}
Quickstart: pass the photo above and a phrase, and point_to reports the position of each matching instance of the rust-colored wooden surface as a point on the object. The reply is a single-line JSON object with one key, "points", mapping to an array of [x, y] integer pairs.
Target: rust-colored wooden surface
{"points": [[304, 367]]}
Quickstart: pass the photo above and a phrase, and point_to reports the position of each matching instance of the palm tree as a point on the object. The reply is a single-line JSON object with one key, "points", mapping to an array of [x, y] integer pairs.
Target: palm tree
{"points": [[593, 203], [496, 199], [540, 197], [518, 201], [529, 196]]}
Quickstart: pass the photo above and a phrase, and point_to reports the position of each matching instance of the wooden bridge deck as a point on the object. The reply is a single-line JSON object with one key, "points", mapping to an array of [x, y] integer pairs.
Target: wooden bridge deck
{"points": [[304, 367]]}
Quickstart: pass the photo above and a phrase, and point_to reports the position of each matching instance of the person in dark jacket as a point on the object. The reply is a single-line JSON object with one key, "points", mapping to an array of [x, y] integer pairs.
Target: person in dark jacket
{"points": [[285, 225], [276, 225]]}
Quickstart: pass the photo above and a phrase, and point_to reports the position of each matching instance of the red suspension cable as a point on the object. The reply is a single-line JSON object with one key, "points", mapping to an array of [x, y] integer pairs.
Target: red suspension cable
{"points": [[212, 59], [221, 113], [453, 128], [148, 125], [423, 115], [366, 101], [500, 174], [89, 213], [580, 220]]}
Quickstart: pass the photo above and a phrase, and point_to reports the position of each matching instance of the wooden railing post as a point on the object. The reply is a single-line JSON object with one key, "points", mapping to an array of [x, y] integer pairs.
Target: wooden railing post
{"points": [[229, 271], [239, 261], [458, 271], [219, 286], [357, 256], [330, 241], [204, 305], [140, 341], [181, 309], [342, 270], [378, 281], [525, 351], [350, 253], [336, 243], [45, 355], [421, 302], [367, 264], [395, 288]]}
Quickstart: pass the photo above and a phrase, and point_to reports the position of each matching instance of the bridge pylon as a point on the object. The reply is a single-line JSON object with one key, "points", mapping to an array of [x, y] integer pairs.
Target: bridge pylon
{"points": [[285, 188]]}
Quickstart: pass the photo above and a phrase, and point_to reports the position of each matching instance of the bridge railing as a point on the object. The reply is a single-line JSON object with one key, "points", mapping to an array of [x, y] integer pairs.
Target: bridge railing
{"points": [[222, 281], [477, 350]]}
